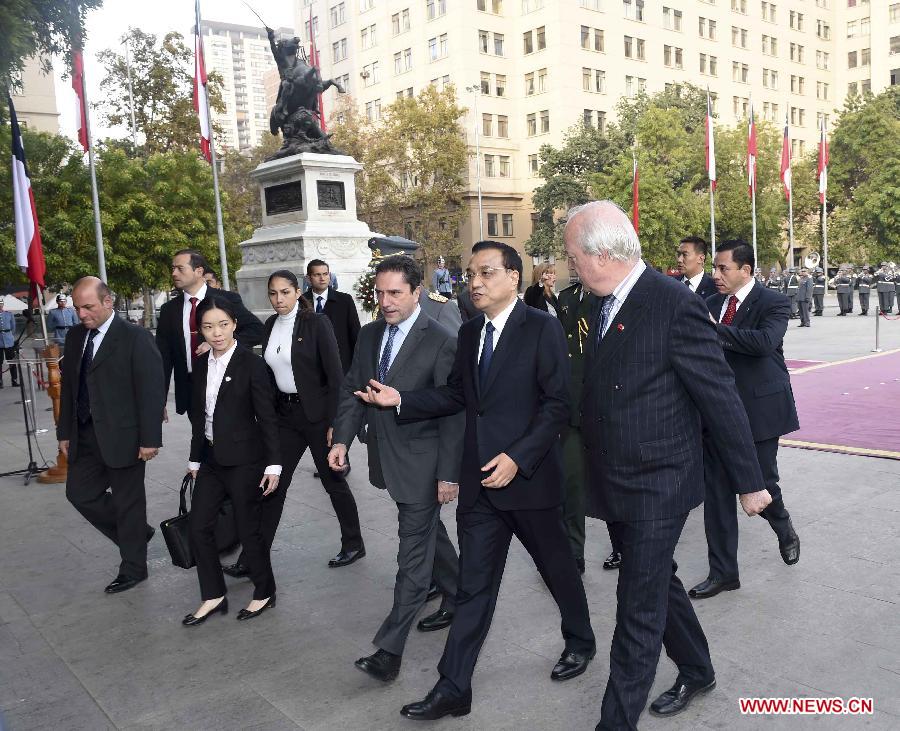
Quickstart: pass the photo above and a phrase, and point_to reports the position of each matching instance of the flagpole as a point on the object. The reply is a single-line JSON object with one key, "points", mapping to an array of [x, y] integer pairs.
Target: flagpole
{"points": [[40, 298], [753, 197], [98, 229], [791, 229], [712, 221], [825, 243]]}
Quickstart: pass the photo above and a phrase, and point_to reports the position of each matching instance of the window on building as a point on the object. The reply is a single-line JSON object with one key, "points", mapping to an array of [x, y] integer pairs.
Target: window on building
{"points": [[589, 4], [586, 79], [599, 81], [634, 9], [533, 164], [531, 124], [587, 117], [504, 166], [797, 52], [797, 84], [739, 6], [395, 24], [502, 125], [585, 37], [865, 56], [894, 13], [823, 60], [542, 81], [485, 82], [823, 30], [435, 8], [339, 50], [852, 29], [852, 62], [500, 84], [822, 90], [541, 38], [493, 229], [487, 125], [338, 14], [489, 170], [671, 19], [498, 44], [507, 221], [895, 45], [398, 63], [371, 73], [545, 121], [629, 86], [527, 42], [529, 84], [483, 40]]}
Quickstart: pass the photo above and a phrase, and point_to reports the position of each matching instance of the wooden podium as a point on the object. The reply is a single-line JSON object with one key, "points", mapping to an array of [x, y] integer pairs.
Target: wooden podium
{"points": [[58, 473]]}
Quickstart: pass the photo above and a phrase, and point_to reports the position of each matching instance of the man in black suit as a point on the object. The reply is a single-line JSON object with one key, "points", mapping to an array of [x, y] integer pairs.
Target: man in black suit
{"points": [[692, 253], [110, 424], [338, 306], [751, 321], [654, 370], [510, 377], [177, 335]]}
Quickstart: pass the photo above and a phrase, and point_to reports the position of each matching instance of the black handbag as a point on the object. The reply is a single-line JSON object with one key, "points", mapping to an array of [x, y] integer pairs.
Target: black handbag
{"points": [[176, 531]]}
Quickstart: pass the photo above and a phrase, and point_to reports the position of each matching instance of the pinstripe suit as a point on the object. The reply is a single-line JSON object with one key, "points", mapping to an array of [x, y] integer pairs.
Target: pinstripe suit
{"points": [[648, 382]]}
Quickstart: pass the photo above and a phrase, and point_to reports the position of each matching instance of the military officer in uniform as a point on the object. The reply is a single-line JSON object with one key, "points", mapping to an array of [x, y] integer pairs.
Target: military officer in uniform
{"points": [[775, 280], [864, 287], [819, 291], [852, 274], [791, 288], [844, 286], [61, 319], [804, 296], [8, 343], [885, 286]]}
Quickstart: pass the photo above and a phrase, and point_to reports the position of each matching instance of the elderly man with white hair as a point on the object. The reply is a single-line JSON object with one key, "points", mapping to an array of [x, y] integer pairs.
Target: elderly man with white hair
{"points": [[654, 370]]}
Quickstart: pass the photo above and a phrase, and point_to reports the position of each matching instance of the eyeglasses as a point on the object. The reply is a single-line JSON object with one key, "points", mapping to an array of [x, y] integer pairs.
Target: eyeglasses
{"points": [[486, 273]]}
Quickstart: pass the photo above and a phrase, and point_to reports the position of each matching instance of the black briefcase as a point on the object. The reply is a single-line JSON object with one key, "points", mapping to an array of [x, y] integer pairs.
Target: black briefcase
{"points": [[176, 531]]}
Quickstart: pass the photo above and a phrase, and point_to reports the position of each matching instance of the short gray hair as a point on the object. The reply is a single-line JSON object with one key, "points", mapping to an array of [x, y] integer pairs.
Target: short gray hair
{"points": [[608, 229]]}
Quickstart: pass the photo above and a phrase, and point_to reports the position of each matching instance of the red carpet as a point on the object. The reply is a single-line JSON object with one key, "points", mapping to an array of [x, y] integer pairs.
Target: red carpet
{"points": [[849, 406]]}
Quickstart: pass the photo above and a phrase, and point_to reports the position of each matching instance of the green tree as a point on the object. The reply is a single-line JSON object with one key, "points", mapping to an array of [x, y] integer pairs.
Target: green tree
{"points": [[40, 28], [240, 193], [162, 78]]}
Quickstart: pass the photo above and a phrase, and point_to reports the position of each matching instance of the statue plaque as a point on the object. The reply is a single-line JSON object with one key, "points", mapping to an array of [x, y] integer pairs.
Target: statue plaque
{"points": [[331, 195], [285, 198]]}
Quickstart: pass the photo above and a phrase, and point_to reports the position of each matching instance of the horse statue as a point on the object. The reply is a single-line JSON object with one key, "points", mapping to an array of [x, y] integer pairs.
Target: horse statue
{"points": [[296, 112]]}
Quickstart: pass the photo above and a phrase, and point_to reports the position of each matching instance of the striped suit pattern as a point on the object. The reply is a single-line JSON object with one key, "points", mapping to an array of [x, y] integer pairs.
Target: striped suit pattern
{"points": [[649, 382]]}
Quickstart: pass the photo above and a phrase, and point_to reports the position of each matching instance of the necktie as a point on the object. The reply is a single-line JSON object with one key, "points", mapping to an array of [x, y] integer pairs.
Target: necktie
{"points": [[192, 324], [730, 311], [385, 362], [603, 318], [319, 307], [83, 403], [487, 353], [688, 283]]}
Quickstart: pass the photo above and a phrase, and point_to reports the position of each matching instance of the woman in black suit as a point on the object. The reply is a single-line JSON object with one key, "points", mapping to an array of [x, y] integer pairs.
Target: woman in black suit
{"points": [[234, 436], [301, 352], [540, 294]]}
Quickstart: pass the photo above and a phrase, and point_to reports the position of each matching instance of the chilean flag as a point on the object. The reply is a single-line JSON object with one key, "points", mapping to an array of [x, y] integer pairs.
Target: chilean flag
{"points": [[81, 110], [29, 253], [634, 192], [710, 143], [201, 102], [822, 172], [751, 152], [786, 160], [314, 62]]}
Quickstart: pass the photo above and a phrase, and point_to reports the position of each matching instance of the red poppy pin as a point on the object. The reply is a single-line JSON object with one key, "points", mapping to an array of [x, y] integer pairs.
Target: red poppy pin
{"points": [[620, 327]]}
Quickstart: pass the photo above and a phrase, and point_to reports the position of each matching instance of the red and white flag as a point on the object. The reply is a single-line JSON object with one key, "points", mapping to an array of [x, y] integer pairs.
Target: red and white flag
{"points": [[786, 160], [710, 143], [201, 102], [81, 106], [29, 252], [751, 152], [635, 180], [822, 172], [314, 62]]}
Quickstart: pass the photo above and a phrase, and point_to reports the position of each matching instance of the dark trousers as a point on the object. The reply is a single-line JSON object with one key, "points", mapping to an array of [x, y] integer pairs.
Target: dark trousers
{"points": [[9, 354], [819, 300], [112, 499], [720, 508], [886, 301], [864, 302], [214, 483], [653, 611], [844, 301], [425, 551], [804, 312], [296, 433], [484, 537], [573, 489], [794, 303]]}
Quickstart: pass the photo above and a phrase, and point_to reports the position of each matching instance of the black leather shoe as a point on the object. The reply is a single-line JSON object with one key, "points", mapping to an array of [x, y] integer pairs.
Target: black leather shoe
{"points": [[441, 619], [579, 563], [123, 583], [679, 697], [151, 531], [613, 561], [789, 545], [433, 592], [571, 665], [438, 704], [247, 614], [383, 665], [345, 558], [236, 570], [711, 587], [191, 621]]}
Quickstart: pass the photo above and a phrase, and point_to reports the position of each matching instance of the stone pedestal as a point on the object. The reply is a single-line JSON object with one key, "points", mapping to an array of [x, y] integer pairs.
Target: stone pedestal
{"points": [[309, 212]]}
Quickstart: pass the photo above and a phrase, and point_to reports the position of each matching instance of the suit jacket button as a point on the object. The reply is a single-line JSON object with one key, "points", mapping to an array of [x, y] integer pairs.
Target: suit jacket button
{"points": [[480, 412], [599, 418], [617, 387]]}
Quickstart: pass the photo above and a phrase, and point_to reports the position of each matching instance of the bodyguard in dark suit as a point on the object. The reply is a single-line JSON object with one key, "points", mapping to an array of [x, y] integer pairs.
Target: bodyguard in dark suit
{"points": [[177, 334], [417, 463], [110, 424], [654, 369], [339, 307], [509, 377], [751, 321], [692, 253]]}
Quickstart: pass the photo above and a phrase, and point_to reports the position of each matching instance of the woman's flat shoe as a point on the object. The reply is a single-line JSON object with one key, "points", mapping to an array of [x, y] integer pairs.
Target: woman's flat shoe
{"points": [[221, 608], [247, 614]]}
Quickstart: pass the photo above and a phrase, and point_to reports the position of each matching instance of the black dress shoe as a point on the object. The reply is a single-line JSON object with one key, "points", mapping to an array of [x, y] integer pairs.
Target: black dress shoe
{"points": [[679, 697], [383, 665], [441, 619], [789, 545], [712, 586], [191, 621], [123, 583], [579, 563], [236, 570], [438, 704], [571, 664], [613, 561], [433, 592], [345, 557], [247, 614], [151, 531]]}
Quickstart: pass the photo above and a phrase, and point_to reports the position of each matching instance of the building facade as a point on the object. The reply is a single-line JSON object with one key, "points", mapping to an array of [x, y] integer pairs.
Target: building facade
{"points": [[528, 70], [36, 104], [241, 55]]}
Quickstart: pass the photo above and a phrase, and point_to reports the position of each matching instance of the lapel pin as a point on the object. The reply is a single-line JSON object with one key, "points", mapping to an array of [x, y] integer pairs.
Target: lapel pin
{"points": [[620, 327], [227, 378], [299, 340]]}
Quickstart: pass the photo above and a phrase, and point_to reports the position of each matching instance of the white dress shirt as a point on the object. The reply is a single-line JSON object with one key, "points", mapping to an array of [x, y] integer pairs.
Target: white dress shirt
{"points": [[741, 295], [98, 338], [316, 296], [620, 293], [278, 351], [215, 375], [499, 323], [403, 329], [186, 323], [693, 282]]}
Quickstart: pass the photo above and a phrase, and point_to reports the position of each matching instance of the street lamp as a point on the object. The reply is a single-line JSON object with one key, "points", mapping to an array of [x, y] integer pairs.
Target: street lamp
{"points": [[476, 90]]}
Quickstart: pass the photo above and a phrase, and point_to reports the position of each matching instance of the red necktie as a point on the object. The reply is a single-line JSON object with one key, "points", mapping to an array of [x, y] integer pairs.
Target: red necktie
{"points": [[192, 324], [730, 311]]}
